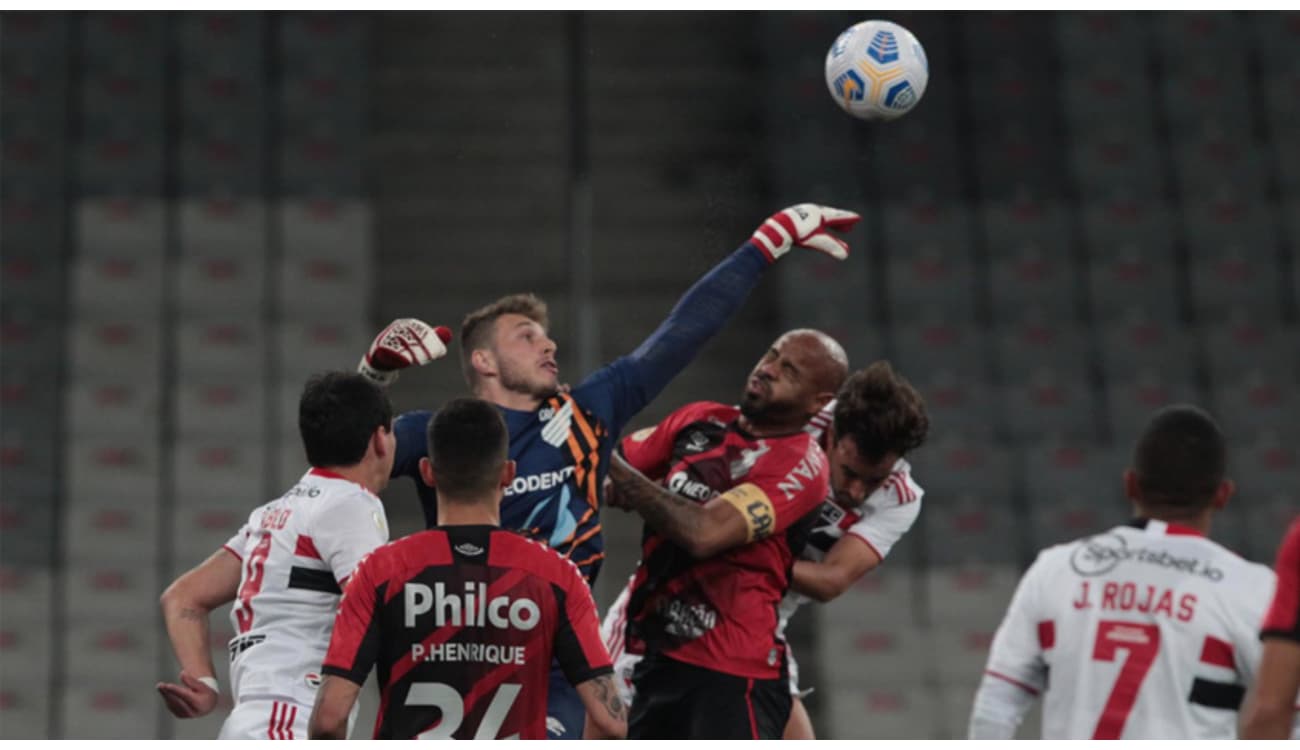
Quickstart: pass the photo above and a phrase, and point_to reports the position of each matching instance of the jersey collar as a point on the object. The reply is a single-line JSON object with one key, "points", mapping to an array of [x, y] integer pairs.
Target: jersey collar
{"points": [[318, 472], [1157, 527]]}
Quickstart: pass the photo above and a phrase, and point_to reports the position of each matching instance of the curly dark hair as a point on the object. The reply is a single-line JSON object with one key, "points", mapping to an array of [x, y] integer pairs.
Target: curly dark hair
{"points": [[882, 411]]}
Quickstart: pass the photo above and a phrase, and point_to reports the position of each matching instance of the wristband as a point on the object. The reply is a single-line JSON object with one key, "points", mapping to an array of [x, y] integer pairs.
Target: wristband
{"points": [[211, 683]]}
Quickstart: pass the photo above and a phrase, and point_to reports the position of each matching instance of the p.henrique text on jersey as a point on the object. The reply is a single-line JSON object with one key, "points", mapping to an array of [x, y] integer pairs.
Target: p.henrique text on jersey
{"points": [[489, 653]]}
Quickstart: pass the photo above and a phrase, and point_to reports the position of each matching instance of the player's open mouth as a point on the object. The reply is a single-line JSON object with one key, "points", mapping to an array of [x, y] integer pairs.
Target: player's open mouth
{"points": [[551, 367], [756, 386]]}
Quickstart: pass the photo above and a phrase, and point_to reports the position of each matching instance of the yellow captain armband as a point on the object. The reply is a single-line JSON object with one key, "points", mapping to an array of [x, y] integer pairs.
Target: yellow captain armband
{"points": [[755, 508]]}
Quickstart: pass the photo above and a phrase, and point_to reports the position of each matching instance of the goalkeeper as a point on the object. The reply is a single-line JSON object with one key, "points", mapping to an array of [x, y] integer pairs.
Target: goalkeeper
{"points": [[561, 442]]}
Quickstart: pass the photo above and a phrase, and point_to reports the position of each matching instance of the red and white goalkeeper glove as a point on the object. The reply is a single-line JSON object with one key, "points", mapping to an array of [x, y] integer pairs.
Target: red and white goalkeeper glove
{"points": [[805, 225], [404, 343]]}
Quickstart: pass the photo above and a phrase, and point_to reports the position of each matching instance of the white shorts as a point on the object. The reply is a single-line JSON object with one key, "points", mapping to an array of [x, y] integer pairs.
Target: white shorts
{"points": [[266, 720]]}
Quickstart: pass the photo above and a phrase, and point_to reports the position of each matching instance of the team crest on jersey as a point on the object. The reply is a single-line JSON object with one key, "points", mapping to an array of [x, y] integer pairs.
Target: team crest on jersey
{"points": [[312, 679], [556, 431], [696, 442], [741, 466]]}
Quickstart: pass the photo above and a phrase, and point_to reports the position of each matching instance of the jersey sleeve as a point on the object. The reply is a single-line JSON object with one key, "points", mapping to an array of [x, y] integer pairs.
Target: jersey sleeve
{"points": [[347, 529], [650, 450], [578, 646], [1283, 618], [1016, 655], [894, 507], [354, 644], [237, 543], [784, 486], [411, 430]]}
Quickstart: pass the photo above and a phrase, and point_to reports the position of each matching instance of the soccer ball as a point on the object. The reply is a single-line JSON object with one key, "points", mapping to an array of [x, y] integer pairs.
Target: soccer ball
{"points": [[876, 70]]}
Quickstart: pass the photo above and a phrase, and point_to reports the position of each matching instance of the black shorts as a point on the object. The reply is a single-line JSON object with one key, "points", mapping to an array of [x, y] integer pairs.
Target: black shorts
{"points": [[675, 700]]}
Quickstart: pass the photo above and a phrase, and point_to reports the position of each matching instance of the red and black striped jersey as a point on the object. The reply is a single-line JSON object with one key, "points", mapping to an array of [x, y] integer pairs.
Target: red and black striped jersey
{"points": [[463, 623], [1283, 620], [720, 613]]}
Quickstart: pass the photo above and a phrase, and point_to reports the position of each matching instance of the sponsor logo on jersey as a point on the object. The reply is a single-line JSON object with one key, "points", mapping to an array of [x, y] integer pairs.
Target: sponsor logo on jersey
{"points": [[1101, 554], [687, 621], [302, 489], [696, 442], [682, 484], [469, 550], [243, 643], [535, 482], [472, 608], [556, 431]]}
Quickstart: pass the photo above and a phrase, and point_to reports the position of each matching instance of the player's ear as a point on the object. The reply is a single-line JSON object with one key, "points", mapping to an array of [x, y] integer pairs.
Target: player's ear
{"points": [[1223, 493], [1132, 487], [426, 472], [507, 473], [483, 362], [379, 441]]}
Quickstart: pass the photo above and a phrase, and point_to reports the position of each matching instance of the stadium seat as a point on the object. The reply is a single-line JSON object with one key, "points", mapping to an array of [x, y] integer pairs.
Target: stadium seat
{"points": [[1237, 278], [33, 223], [109, 648], [1074, 469], [1267, 522], [1239, 343], [319, 160], [1226, 220], [120, 227], [227, 36], [35, 155], [127, 89], [971, 529], [926, 221], [112, 36], [1135, 277], [883, 711], [27, 589], [1130, 403], [228, 87], [231, 345], [885, 597], [1207, 159], [1032, 343], [110, 708], [104, 469], [1266, 468], [1059, 518], [222, 155], [311, 346], [92, 590], [27, 395], [222, 227], [31, 278], [1111, 157], [206, 528], [114, 343], [1203, 87], [121, 285], [957, 404], [116, 160], [1080, 34], [26, 650], [312, 286], [1008, 87], [1281, 88], [232, 407], [111, 531], [1275, 36], [321, 88], [210, 470], [1047, 404], [1138, 343], [1018, 158], [954, 346], [962, 649], [1192, 38], [968, 596], [24, 707], [1118, 222], [920, 157], [1025, 219], [219, 284], [1103, 94], [333, 34], [850, 655], [1006, 37], [953, 465], [123, 408], [1033, 277], [931, 279]]}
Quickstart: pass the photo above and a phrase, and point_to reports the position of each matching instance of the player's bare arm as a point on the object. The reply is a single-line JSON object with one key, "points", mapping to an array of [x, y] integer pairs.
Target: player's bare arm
{"points": [[334, 700], [606, 714], [849, 559], [702, 530], [186, 605], [1270, 707]]}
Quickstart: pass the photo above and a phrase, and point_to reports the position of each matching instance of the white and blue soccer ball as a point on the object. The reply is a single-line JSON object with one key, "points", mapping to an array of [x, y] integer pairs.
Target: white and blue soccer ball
{"points": [[876, 70]]}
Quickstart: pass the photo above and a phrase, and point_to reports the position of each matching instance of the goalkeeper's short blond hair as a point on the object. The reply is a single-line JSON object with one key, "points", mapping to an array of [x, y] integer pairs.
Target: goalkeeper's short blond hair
{"points": [[478, 327]]}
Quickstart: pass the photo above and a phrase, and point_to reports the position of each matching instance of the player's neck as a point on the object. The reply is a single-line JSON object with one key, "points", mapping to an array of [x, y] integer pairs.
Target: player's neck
{"points": [[493, 392], [469, 511], [767, 429], [1199, 523], [363, 474]]}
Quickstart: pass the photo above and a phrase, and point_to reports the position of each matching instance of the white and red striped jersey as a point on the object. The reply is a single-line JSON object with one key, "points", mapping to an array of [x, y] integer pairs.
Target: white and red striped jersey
{"points": [[297, 551], [1147, 631]]}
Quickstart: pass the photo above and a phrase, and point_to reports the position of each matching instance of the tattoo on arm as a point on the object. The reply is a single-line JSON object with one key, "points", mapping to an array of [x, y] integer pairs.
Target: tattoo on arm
{"points": [[665, 511], [607, 694]]}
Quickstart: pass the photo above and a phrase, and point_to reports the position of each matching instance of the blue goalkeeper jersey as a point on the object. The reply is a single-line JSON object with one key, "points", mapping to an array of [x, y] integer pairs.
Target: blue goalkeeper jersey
{"points": [[562, 448]]}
